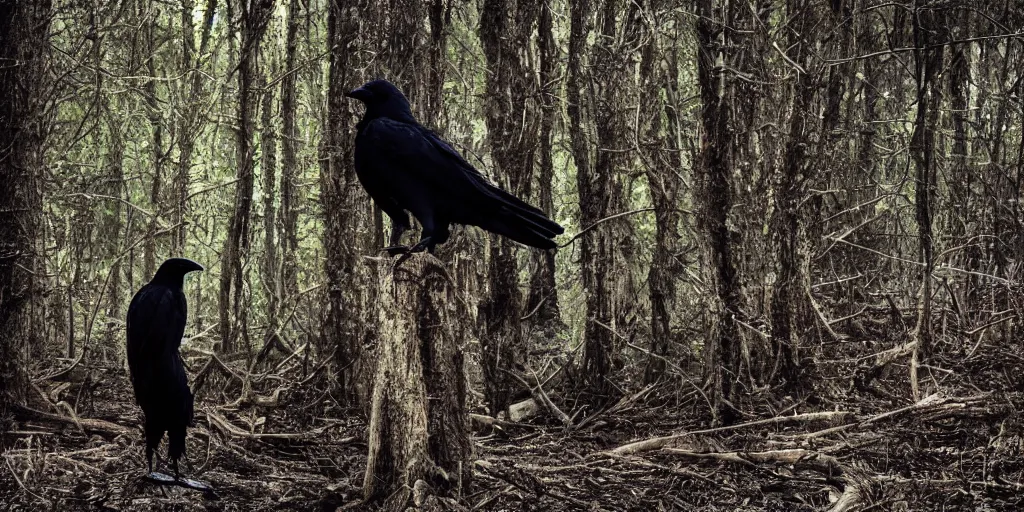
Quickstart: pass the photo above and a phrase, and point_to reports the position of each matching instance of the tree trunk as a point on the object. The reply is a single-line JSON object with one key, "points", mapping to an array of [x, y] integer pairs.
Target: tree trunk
{"points": [[963, 210], [24, 38], [928, 62], [233, 325], [340, 328], [289, 169], [598, 97], [593, 202], [440, 15], [613, 78], [157, 145], [512, 136], [715, 202], [542, 302], [114, 230], [662, 160], [790, 298], [268, 165], [190, 121], [418, 422]]}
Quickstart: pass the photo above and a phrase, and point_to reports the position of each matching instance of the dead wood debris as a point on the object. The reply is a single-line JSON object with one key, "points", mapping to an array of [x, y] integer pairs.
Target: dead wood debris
{"points": [[276, 440]]}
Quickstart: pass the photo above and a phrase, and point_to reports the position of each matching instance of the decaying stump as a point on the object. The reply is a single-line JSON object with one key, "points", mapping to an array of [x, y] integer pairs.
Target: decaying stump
{"points": [[418, 439]]}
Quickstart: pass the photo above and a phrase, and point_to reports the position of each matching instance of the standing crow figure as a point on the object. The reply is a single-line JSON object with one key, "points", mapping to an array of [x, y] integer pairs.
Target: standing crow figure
{"points": [[405, 166], [156, 324]]}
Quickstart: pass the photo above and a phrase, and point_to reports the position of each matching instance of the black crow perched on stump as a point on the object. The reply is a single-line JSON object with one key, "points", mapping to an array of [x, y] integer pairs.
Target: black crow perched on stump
{"points": [[406, 167]]}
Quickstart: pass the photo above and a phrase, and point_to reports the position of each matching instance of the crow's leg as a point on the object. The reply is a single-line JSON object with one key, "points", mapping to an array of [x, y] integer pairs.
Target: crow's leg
{"points": [[425, 243], [395, 250], [396, 246], [425, 214], [441, 235], [399, 225]]}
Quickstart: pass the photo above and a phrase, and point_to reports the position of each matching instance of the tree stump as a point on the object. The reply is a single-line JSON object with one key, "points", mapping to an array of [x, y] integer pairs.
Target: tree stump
{"points": [[419, 446]]}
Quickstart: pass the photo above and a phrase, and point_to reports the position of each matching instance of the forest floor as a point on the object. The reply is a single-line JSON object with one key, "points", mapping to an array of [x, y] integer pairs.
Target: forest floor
{"points": [[957, 448]]}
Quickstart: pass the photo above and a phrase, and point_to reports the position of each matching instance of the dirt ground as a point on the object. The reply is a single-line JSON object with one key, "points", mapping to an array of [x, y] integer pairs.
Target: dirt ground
{"points": [[848, 446]]}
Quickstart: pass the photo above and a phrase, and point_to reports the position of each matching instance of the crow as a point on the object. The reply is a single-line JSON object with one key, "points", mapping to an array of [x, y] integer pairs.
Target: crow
{"points": [[406, 167], [156, 324]]}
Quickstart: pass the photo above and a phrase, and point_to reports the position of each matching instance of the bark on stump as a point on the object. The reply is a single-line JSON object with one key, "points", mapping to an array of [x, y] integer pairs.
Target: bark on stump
{"points": [[419, 445]]}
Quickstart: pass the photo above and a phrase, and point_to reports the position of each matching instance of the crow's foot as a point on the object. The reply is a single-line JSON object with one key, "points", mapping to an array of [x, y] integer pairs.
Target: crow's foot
{"points": [[188, 483], [420, 246], [405, 256], [395, 250]]}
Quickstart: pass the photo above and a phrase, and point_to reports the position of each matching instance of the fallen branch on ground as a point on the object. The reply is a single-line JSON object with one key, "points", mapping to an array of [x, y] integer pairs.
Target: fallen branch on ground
{"points": [[87, 424], [230, 429], [668, 441], [930, 403]]}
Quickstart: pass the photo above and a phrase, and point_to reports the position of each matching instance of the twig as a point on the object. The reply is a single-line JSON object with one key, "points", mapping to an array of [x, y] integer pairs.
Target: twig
{"points": [[229, 428], [982, 327], [825, 323], [661, 442], [613, 217], [934, 400], [491, 421], [22, 484], [682, 373], [847, 317], [540, 396], [87, 424], [834, 62]]}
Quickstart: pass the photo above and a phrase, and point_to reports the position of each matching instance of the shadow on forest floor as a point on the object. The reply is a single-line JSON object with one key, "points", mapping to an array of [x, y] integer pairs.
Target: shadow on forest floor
{"points": [[957, 449]]}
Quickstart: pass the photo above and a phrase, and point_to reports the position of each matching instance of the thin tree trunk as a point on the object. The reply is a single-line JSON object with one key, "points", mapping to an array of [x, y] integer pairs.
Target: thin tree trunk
{"points": [[157, 149], [790, 297], [340, 328], [190, 121], [542, 302], [613, 81], [597, 352], [289, 169], [960, 176], [440, 15], [233, 314], [715, 200], [24, 30], [268, 164], [114, 228], [661, 162], [928, 62], [512, 136]]}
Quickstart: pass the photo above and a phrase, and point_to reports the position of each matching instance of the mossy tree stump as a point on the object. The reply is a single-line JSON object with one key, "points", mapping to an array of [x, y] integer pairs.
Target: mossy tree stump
{"points": [[419, 445]]}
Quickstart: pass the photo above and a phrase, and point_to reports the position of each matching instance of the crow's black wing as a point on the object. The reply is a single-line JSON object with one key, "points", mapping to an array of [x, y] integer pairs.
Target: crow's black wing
{"points": [[401, 160], [156, 325]]}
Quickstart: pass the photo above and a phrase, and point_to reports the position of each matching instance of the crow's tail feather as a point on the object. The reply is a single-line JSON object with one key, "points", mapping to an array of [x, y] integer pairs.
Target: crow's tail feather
{"points": [[534, 216], [520, 229]]}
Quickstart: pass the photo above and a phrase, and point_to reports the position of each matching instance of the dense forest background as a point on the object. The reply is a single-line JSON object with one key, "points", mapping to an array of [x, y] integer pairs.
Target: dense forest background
{"points": [[793, 240]]}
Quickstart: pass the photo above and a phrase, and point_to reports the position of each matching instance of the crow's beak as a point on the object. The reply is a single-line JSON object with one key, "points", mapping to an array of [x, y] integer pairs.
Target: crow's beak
{"points": [[361, 94], [194, 267]]}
